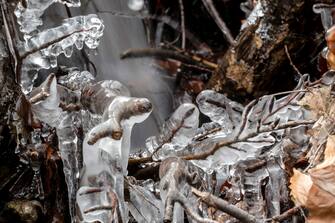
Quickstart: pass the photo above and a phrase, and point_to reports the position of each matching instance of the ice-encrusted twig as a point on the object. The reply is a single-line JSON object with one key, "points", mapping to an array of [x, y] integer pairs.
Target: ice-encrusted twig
{"points": [[217, 146], [41, 50], [29, 13], [224, 206], [176, 175], [43, 91]]}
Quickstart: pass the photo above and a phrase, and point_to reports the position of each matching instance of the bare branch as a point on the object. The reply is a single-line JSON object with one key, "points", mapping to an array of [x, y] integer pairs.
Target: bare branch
{"points": [[287, 214], [182, 18], [221, 24], [168, 54], [224, 206]]}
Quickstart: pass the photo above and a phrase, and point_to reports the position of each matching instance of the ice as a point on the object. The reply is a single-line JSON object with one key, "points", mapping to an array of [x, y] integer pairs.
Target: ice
{"points": [[40, 51], [96, 98], [71, 153], [145, 206], [67, 126], [76, 80], [136, 5], [326, 14], [47, 110], [108, 152], [29, 14], [175, 133], [220, 109]]}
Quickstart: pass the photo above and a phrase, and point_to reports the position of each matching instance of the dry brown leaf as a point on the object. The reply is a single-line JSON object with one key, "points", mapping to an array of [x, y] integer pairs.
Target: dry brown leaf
{"points": [[316, 190], [319, 101]]}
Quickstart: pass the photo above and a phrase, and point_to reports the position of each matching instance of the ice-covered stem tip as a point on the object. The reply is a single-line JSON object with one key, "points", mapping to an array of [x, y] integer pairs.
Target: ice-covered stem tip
{"points": [[326, 14], [43, 91], [120, 110], [97, 97], [28, 13]]}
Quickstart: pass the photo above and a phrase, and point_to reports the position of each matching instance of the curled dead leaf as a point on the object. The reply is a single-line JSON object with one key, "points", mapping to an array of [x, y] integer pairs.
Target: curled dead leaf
{"points": [[316, 190]]}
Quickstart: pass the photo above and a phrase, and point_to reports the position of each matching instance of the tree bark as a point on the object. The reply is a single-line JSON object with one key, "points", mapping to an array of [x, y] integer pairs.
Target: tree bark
{"points": [[258, 61]]}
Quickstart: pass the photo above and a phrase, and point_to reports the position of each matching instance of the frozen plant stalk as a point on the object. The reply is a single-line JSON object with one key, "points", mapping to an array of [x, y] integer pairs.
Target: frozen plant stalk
{"points": [[106, 152]]}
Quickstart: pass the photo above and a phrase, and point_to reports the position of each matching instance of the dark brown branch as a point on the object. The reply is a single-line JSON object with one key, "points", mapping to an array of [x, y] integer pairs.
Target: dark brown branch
{"points": [[168, 54], [224, 206]]}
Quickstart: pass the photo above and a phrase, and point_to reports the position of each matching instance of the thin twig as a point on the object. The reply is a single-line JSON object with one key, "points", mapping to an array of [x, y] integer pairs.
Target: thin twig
{"points": [[165, 140], [168, 54], [164, 19], [244, 120], [47, 44], [217, 146], [287, 214], [221, 24], [224, 206], [182, 18], [291, 62]]}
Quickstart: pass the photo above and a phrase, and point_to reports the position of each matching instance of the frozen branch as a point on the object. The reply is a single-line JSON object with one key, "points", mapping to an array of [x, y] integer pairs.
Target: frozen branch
{"points": [[219, 145], [224, 206]]}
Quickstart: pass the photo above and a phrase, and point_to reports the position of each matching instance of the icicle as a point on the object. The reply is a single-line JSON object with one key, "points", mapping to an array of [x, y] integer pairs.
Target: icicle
{"points": [[29, 14], [175, 133], [41, 50], [45, 106]]}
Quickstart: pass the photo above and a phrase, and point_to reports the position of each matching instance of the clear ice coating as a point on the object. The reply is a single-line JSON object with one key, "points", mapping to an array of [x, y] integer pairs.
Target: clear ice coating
{"points": [[47, 110], [41, 49], [175, 133], [67, 124], [144, 206], [220, 109], [29, 14], [136, 5], [106, 150]]}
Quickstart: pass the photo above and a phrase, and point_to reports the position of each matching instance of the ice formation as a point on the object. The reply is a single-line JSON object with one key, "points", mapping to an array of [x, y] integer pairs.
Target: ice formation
{"points": [[106, 147], [41, 49], [28, 13], [175, 133]]}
